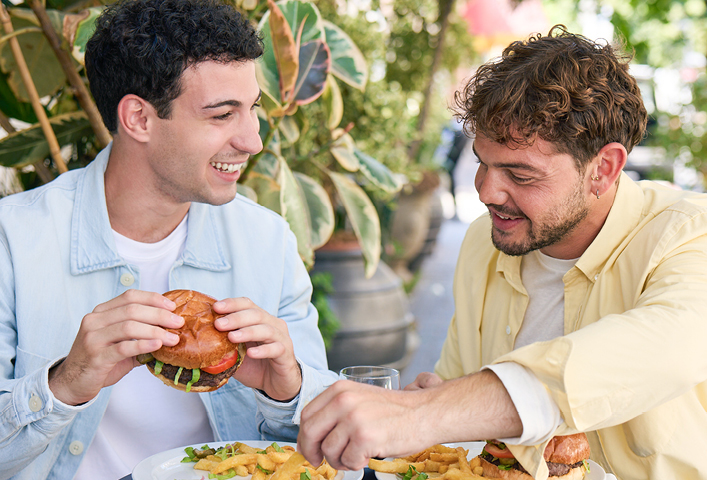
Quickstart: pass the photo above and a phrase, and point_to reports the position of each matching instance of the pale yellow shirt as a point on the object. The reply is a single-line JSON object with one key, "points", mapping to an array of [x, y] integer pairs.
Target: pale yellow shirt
{"points": [[631, 369]]}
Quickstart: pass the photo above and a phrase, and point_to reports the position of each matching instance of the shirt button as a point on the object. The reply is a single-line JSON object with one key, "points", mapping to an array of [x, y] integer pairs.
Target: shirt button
{"points": [[508, 329], [596, 277], [76, 448], [127, 279], [35, 403]]}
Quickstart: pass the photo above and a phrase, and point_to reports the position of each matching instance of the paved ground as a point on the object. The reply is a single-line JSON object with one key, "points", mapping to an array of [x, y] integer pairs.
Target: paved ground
{"points": [[431, 301]]}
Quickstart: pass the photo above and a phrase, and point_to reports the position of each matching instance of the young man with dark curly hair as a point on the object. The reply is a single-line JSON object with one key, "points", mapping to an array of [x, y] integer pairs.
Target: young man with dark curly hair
{"points": [[86, 258], [579, 300]]}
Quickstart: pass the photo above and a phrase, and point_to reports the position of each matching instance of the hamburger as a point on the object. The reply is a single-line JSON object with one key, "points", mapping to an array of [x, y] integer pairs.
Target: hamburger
{"points": [[566, 458], [204, 359]]}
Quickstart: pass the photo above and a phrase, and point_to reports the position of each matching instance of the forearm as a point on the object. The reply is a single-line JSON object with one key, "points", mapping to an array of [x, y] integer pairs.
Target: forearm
{"points": [[473, 407]]}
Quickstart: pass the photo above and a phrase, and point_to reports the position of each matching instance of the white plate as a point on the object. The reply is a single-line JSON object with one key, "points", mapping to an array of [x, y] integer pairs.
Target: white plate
{"points": [[595, 470], [168, 465]]}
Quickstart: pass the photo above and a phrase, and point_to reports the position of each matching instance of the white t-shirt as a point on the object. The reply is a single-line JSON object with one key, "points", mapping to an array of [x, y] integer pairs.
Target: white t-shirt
{"points": [[544, 320], [144, 416]]}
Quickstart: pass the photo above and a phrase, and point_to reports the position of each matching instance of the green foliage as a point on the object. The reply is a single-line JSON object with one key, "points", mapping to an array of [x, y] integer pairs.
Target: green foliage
{"points": [[328, 322]]}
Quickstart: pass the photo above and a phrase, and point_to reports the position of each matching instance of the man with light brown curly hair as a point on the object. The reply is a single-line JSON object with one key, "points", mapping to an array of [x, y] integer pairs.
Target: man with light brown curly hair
{"points": [[583, 311]]}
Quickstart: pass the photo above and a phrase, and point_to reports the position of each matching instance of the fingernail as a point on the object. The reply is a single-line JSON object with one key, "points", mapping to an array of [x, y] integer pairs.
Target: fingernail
{"points": [[221, 322], [219, 304], [173, 338], [177, 320], [169, 304]]}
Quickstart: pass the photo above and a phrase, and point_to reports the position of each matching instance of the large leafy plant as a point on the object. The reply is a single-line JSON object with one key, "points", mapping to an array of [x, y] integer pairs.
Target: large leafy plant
{"points": [[317, 182], [305, 59]]}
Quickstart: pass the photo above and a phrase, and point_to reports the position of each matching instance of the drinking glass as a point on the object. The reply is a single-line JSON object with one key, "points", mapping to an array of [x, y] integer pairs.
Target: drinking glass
{"points": [[384, 377]]}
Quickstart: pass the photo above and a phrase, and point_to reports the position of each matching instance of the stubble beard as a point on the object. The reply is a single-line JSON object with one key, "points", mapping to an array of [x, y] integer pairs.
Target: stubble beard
{"points": [[555, 228]]}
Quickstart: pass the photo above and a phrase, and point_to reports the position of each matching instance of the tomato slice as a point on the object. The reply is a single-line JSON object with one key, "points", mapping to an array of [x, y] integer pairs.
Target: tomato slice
{"points": [[225, 363], [497, 451]]}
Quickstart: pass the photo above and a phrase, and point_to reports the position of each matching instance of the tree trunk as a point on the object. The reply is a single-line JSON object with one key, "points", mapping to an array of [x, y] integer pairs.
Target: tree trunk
{"points": [[445, 8]]}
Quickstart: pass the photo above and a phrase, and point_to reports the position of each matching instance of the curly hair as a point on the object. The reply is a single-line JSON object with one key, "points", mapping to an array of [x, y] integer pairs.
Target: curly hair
{"points": [[562, 88], [142, 47]]}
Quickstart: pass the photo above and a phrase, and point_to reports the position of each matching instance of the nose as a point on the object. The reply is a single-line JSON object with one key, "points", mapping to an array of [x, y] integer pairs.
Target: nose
{"points": [[246, 138], [489, 184]]}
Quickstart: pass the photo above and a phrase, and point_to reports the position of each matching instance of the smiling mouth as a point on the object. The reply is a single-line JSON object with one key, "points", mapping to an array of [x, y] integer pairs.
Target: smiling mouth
{"points": [[227, 167]]}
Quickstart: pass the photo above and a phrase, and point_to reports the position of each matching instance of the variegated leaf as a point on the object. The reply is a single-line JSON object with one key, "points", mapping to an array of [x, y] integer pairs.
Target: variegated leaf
{"points": [[347, 62], [28, 146], [294, 209], [321, 212], [377, 173], [363, 217]]}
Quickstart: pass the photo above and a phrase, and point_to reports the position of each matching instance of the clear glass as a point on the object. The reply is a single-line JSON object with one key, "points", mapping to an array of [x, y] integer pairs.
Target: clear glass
{"points": [[384, 377]]}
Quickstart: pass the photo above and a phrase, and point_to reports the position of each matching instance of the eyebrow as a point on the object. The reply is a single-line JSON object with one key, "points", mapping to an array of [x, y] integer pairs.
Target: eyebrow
{"points": [[231, 103], [516, 165]]}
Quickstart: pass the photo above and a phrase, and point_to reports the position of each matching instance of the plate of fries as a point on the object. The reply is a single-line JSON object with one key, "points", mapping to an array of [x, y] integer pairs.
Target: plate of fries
{"points": [[249, 460], [451, 461]]}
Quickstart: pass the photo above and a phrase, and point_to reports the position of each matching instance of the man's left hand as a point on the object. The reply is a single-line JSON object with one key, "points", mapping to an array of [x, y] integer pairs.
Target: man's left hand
{"points": [[270, 363]]}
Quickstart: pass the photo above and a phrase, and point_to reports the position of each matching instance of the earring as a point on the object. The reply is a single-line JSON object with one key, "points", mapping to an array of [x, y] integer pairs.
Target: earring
{"points": [[595, 177], [597, 194]]}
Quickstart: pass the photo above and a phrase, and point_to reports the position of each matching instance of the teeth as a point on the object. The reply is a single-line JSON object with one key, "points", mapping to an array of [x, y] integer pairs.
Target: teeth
{"points": [[227, 167]]}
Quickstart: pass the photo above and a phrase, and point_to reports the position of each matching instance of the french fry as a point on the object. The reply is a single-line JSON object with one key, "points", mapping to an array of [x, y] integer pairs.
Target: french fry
{"points": [[206, 464], [384, 466], [234, 461], [243, 470], [279, 457], [444, 457], [463, 463], [291, 466], [259, 475], [266, 462]]}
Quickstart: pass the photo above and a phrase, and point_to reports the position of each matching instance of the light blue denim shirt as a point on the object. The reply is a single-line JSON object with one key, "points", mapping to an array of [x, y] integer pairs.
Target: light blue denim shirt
{"points": [[58, 261]]}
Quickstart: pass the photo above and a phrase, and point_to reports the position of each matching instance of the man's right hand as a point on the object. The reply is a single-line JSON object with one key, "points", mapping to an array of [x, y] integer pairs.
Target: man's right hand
{"points": [[109, 339]]}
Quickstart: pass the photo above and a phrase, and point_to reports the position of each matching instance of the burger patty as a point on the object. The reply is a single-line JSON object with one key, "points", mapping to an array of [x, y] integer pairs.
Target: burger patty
{"points": [[205, 379], [556, 469]]}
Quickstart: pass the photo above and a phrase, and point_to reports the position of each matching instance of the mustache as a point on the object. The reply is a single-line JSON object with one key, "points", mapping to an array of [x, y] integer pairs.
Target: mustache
{"points": [[505, 211]]}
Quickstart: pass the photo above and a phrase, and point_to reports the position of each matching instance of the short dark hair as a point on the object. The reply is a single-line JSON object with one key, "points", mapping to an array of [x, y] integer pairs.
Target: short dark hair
{"points": [[142, 47], [562, 88]]}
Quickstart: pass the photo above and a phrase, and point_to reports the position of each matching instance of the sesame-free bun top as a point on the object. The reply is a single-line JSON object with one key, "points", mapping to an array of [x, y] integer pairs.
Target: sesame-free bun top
{"points": [[200, 344], [568, 449]]}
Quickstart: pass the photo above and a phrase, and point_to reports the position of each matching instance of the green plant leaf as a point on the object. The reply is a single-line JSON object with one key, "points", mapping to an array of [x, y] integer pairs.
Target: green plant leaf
{"points": [[79, 28], [314, 65], [248, 192], [294, 209], [46, 72], [11, 106], [333, 103], [321, 212], [289, 129], [348, 63], [295, 12], [29, 146], [343, 150], [363, 217], [377, 173], [285, 51], [266, 189]]}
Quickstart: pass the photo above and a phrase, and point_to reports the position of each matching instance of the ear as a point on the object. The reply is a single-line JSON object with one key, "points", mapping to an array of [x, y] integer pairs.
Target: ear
{"points": [[604, 171], [134, 117]]}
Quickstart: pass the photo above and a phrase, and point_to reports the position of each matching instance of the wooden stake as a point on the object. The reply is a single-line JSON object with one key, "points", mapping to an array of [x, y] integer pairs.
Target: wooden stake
{"points": [[33, 95]]}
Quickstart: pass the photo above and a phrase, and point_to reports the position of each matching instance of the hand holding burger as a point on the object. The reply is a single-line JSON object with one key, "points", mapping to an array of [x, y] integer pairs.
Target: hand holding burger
{"points": [[204, 359]]}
